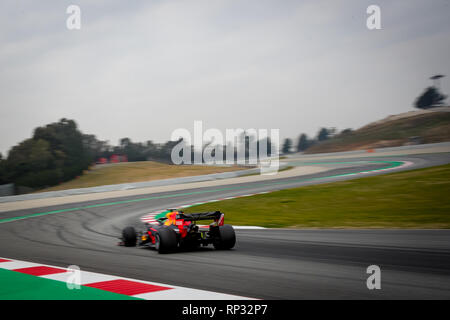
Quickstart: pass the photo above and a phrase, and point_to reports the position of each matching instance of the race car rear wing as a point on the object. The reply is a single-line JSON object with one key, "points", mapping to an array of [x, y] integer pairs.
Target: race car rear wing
{"points": [[217, 216], [212, 215]]}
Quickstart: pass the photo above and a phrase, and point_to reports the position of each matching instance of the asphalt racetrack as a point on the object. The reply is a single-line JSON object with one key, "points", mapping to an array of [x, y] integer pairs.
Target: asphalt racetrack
{"points": [[266, 264]]}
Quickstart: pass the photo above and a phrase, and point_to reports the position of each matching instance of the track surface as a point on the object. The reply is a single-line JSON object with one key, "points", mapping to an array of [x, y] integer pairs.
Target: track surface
{"points": [[268, 264]]}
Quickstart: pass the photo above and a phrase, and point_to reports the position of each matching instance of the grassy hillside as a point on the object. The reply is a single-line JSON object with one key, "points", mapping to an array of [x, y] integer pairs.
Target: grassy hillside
{"points": [[135, 172], [411, 199], [430, 127]]}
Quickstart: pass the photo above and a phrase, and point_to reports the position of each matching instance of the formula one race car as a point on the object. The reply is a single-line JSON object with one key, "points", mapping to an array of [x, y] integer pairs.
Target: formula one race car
{"points": [[179, 230]]}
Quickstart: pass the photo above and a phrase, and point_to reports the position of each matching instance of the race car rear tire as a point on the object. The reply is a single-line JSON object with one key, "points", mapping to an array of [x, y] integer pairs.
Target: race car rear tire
{"points": [[226, 238], [129, 237], [166, 240]]}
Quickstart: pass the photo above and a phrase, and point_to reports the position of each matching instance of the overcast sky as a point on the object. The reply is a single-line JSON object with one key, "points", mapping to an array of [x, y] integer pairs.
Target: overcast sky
{"points": [[141, 69]]}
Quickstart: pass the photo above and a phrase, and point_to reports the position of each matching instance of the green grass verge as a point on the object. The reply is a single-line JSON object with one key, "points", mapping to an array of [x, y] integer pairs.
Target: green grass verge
{"points": [[18, 286], [411, 199]]}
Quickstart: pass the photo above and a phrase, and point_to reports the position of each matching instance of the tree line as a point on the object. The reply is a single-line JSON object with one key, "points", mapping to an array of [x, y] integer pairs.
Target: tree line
{"points": [[60, 152], [304, 142]]}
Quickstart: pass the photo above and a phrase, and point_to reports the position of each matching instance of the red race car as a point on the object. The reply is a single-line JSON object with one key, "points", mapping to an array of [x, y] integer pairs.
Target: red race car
{"points": [[179, 230]]}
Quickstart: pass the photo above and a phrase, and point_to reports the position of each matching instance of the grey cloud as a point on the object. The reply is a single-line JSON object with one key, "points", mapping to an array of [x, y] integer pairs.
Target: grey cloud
{"points": [[144, 68]]}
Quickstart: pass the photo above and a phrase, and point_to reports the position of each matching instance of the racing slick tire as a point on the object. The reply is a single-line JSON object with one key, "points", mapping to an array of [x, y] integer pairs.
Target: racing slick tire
{"points": [[129, 237], [166, 240], [226, 238]]}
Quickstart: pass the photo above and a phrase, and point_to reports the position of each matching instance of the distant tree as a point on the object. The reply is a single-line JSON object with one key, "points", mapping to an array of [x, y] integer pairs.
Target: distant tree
{"points": [[269, 146], [303, 143], [54, 154], [33, 164], [430, 98], [96, 148], [325, 133], [66, 144], [133, 151], [287, 145], [165, 150], [150, 150], [125, 142], [3, 178], [264, 143], [346, 131]]}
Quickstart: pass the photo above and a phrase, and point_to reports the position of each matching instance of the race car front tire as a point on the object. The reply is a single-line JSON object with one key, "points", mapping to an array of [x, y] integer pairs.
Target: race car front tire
{"points": [[226, 238], [166, 240], [129, 237]]}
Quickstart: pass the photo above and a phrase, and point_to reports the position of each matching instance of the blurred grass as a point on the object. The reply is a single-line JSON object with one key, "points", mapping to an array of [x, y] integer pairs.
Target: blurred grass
{"points": [[127, 172], [411, 199]]}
